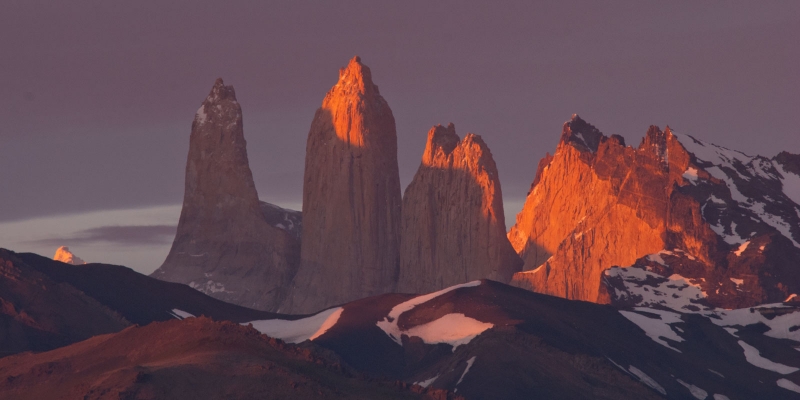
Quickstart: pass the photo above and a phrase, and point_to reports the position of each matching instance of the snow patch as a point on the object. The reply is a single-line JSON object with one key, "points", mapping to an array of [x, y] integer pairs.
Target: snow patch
{"points": [[469, 365], [427, 382], [691, 175], [647, 380], [738, 282], [780, 325], [718, 396], [716, 373], [201, 116], [657, 329], [790, 183], [774, 221], [299, 330], [208, 287], [788, 385], [675, 292], [694, 390], [454, 329], [389, 323], [754, 357], [180, 314]]}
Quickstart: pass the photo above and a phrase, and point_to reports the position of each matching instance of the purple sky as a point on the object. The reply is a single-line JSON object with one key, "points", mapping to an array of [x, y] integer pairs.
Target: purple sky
{"points": [[98, 99]]}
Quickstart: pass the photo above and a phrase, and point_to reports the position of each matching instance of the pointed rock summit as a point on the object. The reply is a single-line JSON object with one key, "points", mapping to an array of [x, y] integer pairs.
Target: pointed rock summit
{"points": [[225, 246], [453, 226], [351, 197], [64, 255], [694, 212]]}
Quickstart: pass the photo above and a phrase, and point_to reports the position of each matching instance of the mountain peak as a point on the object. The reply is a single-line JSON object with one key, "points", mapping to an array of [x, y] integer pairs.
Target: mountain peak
{"points": [[64, 255], [357, 76], [440, 137], [221, 92], [581, 134]]}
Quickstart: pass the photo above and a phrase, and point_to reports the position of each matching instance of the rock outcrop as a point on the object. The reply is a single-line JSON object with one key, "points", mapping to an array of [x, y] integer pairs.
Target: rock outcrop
{"points": [[351, 197], [597, 204], [453, 226], [64, 255], [225, 245]]}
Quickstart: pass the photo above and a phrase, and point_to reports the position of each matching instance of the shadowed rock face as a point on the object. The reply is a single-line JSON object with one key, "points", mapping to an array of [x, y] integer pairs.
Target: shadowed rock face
{"points": [[224, 246], [453, 226], [351, 197], [597, 203]]}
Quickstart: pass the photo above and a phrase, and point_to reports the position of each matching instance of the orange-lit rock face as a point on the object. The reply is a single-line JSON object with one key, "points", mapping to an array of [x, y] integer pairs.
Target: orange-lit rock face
{"points": [[224, 246], [596, 204], [351, 197], [453, 226]]}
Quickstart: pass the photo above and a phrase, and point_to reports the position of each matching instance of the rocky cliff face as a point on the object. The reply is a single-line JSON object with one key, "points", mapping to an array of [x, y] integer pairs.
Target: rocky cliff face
{"points": [[225, 246], [64, 255], [453, 226], [351, 197], [597, 203]]}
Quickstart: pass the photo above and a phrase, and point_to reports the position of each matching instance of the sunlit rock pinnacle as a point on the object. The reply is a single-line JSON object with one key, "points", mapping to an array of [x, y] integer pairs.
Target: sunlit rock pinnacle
{"points": [[453, 226], [351, 197]]}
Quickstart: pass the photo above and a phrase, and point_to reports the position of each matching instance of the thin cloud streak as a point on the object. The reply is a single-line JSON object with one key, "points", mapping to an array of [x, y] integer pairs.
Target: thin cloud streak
{"points": [[126, 235]]}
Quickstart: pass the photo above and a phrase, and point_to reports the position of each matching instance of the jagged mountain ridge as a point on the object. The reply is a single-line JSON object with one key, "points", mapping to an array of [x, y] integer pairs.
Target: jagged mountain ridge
{"points": [[672, 193]]}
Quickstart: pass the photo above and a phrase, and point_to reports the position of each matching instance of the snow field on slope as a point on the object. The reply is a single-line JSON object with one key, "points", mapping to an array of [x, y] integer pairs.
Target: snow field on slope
{"points": [[697, 392], [647, 380], [454, 329], [299, 330], [754, 357], [656, 328]]}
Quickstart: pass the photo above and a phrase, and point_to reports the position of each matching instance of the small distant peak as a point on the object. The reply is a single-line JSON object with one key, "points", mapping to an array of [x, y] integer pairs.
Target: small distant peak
{"points": [[357, 76], [64, 255]]}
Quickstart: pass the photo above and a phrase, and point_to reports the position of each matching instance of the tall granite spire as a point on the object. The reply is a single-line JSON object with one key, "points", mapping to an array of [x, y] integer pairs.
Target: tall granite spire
{"points": [[351, 197], [224, 246], [453, 227]]}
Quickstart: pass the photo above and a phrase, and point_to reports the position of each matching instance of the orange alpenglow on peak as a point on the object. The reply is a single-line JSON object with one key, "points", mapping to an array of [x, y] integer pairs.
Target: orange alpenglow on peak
{"points": [[351, 197], [64, 255], [357, 77], [453, 224], [351, 125], [674, 206]]}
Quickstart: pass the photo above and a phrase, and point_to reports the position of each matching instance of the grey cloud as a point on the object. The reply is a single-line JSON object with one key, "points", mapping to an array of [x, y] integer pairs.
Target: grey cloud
{"points": [[126, 235]]}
